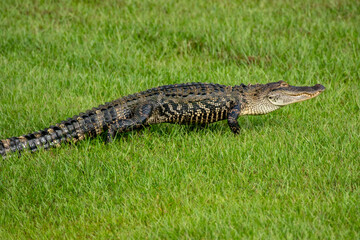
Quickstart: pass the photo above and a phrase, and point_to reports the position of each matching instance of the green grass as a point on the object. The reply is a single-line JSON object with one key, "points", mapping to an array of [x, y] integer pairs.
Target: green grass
{"points": [[294, 173]]}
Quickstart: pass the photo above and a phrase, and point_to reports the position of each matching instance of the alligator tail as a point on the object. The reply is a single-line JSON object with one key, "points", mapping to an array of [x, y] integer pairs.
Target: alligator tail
{"points": [[69, 131]]}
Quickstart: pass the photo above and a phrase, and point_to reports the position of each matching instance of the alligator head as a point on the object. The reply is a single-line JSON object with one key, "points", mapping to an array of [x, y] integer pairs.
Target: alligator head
{"points": [[265, 98]]}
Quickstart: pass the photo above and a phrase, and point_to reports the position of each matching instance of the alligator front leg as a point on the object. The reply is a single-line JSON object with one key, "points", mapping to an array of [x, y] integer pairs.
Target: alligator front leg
{"points": [[124, 125], [232, 119]]}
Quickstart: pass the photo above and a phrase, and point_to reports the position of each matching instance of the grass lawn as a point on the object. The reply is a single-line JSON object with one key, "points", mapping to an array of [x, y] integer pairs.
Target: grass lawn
{"points": [[294, 173]]}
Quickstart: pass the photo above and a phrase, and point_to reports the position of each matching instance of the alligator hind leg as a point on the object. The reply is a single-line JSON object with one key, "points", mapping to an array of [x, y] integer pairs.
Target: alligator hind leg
{"points": [[232, 119], [141, 114]]}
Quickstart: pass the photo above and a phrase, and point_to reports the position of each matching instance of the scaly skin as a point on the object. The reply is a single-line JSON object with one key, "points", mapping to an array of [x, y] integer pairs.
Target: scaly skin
{"points": [[191, 103]]}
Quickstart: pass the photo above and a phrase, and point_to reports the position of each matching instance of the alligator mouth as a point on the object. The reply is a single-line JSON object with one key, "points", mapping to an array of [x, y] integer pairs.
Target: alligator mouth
{"points": [[305, 91], [292, 94], [305, 94]]}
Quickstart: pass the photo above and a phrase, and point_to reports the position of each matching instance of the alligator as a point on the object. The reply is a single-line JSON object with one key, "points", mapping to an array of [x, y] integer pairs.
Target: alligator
{"points": [[189, 103]]}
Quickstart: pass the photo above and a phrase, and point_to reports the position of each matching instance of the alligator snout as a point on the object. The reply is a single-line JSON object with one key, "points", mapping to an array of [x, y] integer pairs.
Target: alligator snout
{"points": [[319, 87]]}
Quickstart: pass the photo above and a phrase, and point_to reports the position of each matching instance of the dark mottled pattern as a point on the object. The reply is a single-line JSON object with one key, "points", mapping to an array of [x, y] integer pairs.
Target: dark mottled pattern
{"points": [[191, 103]]}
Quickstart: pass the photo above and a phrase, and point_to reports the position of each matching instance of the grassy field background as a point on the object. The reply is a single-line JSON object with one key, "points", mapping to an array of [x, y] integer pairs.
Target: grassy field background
{"points": [[294, 173]]}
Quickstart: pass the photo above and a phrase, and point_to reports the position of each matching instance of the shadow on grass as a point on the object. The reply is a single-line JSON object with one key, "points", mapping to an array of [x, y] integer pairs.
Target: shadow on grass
{"points": [[167, 129]]}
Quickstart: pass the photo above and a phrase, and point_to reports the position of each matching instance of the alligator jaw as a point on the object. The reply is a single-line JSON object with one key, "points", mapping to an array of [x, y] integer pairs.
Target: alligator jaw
{"points": [[291, 94]]}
